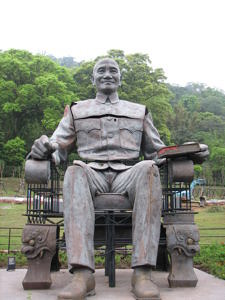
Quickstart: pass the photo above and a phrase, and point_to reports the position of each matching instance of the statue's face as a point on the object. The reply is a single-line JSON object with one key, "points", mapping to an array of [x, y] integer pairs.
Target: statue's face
{"points": [[106, 76]]}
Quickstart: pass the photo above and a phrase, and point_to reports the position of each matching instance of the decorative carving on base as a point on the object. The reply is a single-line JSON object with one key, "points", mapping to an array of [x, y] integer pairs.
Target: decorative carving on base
{"points": [[182, 245], [39, 246]]}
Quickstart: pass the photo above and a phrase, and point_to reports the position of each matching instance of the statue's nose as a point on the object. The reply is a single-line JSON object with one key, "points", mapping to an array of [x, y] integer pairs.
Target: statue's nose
{"points": [[107, 75]]}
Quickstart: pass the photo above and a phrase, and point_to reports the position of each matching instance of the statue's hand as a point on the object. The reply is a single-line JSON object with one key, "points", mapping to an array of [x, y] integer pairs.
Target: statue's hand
{"points": [[200, 157], [42, 148]]}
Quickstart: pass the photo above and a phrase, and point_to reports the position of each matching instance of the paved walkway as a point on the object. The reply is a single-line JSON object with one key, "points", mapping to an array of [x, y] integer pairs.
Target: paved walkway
{"points": [[208, 287]]}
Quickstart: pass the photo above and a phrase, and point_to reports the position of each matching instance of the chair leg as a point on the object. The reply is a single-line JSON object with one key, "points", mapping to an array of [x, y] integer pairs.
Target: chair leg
{"points": [[55, 264], [182, 245], [107, 245], [110, 248], [39, 246], [111, 252]]}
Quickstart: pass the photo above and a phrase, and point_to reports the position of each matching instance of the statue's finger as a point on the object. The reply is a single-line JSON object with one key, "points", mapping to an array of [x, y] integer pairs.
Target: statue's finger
{"points": [[40, 147], [48, 146], [37, 154]]}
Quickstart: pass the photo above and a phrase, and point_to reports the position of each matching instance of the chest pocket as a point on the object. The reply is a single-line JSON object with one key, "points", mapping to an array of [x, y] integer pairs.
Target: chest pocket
{"points": [[88, 133], [130, 133]]}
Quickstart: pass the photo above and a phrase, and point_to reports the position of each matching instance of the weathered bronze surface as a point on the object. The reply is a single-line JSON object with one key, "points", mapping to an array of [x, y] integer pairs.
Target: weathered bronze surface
{"points": [[181, 170], [111, 201], [182, 245], [37, 171], [107, 132], [39, 246]]}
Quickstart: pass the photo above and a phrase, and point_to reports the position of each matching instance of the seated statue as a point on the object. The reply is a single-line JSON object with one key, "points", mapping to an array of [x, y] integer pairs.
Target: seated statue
{"points": [[108, 133]]}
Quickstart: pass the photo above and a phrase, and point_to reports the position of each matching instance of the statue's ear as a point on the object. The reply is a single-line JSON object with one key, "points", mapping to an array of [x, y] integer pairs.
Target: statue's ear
{"points": [[92, 80], [121, 76]]}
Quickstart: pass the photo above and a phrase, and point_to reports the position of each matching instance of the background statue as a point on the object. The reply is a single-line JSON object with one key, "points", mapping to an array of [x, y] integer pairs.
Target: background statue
{"points": [[109, 133]]}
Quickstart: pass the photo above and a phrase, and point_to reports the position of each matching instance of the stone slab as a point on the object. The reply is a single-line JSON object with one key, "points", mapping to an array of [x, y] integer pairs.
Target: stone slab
{"points": [[208, 287]]}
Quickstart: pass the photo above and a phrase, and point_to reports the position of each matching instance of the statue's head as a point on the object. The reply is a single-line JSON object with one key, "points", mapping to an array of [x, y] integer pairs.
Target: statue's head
{"points": [[106, 76]]}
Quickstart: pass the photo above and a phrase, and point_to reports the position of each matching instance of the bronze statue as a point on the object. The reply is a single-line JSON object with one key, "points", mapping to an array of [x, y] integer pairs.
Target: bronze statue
{"points": [[108, 132]]}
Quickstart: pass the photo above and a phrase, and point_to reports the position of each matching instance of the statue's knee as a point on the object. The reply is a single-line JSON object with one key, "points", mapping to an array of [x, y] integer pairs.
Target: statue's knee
{"points": [[147, 168], [146, 165], [73, 172]]}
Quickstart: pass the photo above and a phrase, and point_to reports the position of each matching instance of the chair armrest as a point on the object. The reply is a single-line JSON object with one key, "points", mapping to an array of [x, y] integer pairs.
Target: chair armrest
{"points": [[37, 171], [180, 170]]}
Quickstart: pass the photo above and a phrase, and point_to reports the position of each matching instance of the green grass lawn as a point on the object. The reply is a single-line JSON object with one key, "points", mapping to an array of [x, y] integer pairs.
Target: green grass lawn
{"points": [[211, 257], [11, 215], [11, 186], [212, 242], [211, 217]]}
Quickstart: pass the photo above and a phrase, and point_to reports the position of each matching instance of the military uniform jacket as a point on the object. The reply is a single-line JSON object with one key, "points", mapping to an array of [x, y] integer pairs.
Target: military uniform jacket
{"points": [[107, 132]]}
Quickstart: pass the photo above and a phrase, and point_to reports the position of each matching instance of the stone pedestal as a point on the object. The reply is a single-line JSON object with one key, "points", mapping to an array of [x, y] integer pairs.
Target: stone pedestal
{"points": [[39, 246], [182, 237]]}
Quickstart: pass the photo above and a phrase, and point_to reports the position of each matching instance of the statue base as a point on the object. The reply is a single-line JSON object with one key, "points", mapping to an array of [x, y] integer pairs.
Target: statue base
{"points": [[39, 246], [182, 237]]}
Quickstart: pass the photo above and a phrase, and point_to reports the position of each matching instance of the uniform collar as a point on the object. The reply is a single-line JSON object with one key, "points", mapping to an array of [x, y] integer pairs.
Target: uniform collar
{"points": [[113, 98]]}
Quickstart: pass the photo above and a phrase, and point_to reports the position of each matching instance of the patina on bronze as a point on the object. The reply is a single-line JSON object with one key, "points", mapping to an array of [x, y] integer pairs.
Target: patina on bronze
{"points": [[39, 246], [182, 244], [108, 132]]}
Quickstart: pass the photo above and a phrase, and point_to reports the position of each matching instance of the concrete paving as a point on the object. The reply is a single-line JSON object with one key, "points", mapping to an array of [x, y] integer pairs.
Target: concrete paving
{"points": [[208, 287]]}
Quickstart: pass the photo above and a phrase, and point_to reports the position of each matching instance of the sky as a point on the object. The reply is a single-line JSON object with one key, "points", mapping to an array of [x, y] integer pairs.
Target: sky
{"points": [[183, 37]]}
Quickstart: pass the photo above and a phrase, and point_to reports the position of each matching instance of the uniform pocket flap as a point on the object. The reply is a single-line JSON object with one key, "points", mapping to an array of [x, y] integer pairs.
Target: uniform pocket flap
{"points": [[87, 125], [131, 125]]}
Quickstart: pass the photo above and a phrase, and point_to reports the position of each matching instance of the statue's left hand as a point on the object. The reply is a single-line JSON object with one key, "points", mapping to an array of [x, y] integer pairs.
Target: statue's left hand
{"points": [[200, 157]]}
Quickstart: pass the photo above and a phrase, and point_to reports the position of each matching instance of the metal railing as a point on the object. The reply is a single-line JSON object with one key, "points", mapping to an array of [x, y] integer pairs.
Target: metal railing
{"points": [[11, 237]]}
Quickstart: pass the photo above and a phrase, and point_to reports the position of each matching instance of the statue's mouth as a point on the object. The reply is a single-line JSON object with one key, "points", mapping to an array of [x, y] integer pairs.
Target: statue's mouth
{"points": [[107, 81], [27, 250]]}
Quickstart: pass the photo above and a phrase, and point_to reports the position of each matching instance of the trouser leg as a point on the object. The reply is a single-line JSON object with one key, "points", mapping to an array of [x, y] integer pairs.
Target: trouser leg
{"points": [[142, 183], [80, 184]]}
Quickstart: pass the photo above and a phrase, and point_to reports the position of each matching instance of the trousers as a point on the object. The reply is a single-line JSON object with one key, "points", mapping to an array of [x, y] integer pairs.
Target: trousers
{"points": [[141, 183]]}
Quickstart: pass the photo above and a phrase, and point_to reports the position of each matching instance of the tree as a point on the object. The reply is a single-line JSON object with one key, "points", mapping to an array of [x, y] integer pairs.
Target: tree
{"points": [[140, 83], [14, 152], [218, 164], [33, 93]]}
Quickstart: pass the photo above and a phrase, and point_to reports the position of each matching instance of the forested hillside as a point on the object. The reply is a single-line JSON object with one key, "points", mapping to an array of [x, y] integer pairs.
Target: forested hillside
{"points": [[34, 90]]}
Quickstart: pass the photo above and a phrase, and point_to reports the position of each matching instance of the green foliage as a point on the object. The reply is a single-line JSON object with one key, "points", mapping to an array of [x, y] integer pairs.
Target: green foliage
{"points": [[197, 170], [140, 83], [82, 76], [14, 152], [218, 157], [217, 160], [33, 93], [34, 90], [21, 260], [212, 259], [199, 115]]}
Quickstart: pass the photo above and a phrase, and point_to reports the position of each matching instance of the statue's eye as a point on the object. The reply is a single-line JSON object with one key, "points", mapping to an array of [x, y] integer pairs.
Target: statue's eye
{"points": [[190, 241], [114, 70], [101, 70], [31, 242]]}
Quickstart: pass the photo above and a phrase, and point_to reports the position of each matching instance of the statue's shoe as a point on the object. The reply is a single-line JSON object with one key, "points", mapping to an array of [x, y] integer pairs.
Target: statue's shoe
{"points": [[81, 286], [142, 286]]}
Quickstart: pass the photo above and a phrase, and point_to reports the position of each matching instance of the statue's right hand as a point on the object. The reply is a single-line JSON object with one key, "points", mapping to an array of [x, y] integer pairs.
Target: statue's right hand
{"points": [[42, 147]]}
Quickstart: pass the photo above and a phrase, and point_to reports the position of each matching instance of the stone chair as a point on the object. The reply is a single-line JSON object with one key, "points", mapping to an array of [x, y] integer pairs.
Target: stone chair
{"points": [[113, 222]]}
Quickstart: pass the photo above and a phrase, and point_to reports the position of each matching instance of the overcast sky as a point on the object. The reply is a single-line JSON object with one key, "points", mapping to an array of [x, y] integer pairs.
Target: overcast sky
{"points": [[184, 37]]}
